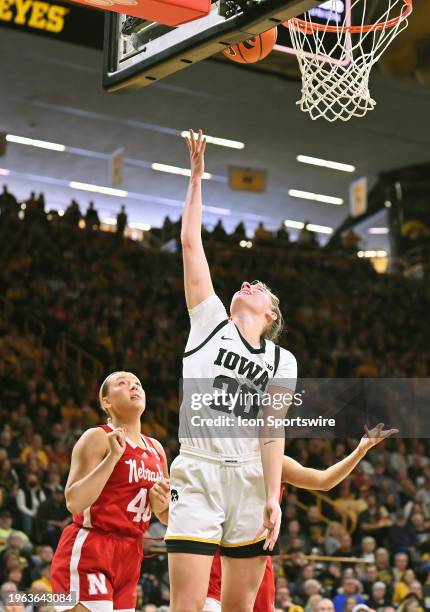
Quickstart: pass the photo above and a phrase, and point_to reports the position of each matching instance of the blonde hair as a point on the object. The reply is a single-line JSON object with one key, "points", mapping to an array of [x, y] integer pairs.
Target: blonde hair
{"points": [[104, 390], [274, 329]]}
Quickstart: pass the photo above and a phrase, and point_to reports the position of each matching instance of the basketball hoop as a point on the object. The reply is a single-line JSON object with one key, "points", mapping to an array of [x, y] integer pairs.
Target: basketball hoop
{"points": [[335, 74]]}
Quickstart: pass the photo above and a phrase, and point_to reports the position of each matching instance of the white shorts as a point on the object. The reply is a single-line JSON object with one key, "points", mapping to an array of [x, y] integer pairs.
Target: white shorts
{"points": [[216, 502]]}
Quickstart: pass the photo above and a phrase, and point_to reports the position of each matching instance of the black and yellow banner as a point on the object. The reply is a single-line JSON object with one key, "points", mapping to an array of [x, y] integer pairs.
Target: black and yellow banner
{"points": [[60, 20]]}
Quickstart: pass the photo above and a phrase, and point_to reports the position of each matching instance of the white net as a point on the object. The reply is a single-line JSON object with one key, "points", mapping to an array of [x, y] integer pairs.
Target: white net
{"points": [[335, 61]]}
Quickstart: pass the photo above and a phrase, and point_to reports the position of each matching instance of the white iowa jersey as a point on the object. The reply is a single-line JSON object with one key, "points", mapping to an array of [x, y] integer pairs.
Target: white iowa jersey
{"points": [[218, 359]]}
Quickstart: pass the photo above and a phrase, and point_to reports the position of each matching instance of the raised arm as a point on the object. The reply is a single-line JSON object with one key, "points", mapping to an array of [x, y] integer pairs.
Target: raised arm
{"points": [[323, 480], [197, 278], [93, 460]]}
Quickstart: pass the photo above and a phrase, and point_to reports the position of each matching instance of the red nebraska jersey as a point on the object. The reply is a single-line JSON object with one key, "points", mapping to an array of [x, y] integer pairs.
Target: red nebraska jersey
{"points": [[123, 505]]}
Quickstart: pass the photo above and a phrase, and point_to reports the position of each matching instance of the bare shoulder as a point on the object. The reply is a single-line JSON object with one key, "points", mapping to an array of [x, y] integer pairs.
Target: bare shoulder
{"points": [[94, 439], [157, 445]]}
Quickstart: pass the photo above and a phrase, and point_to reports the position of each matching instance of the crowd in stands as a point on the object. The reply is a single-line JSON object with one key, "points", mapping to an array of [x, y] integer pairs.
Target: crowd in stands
{"points": [[122, 301]]}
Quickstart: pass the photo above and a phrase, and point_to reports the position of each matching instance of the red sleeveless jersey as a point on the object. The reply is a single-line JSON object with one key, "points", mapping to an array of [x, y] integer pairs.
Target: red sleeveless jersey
{"points": [[123, 506]]}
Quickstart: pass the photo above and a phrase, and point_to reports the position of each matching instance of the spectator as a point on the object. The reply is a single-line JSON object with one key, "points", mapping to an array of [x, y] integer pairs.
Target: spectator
{"points": [[262, 234], [333, 534], [239, 232], [401, 562], [73, 214], [306, 237], [350, 588], [218, 232], [8, 204], [28, 500], [92, 220], [8, 476], [5, 528], [121, 221], [403, 586], [368, 547], [314, 527], [379, 597], [370, 578], [374, 519], [325, 605], [345, 546], [35, 448], [44, 581], [282, 234], [52, 517], [382, 562], [284, 600], [411, 603], [402, 534]]}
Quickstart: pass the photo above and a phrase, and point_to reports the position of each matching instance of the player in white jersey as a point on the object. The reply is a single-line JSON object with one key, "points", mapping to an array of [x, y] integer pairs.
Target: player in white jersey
{"points": [[225, 482]]}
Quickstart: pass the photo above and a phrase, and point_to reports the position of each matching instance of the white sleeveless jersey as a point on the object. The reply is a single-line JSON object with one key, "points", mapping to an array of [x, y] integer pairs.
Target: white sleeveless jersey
{"points": [[219, 368]]}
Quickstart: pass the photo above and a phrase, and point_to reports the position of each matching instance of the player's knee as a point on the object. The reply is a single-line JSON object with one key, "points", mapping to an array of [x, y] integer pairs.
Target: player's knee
{"points": [[237, 608], [237, 605], [186, 604], [187, 607]]}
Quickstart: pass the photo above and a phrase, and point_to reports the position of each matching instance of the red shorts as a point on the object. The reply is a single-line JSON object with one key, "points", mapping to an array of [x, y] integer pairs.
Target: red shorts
{"points": [[265, 600], [101, 568]]}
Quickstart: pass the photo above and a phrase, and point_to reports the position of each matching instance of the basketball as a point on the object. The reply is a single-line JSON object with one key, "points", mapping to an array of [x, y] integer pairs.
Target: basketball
{"points": [[254, 49]]}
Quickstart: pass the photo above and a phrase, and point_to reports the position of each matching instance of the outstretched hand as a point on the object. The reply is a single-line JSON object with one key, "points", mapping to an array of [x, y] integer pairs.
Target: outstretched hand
{"points": [[271, 524], [374, 436], [196, 147]]}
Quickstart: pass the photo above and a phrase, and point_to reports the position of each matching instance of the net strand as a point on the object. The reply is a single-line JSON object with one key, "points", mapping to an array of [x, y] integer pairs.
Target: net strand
{"points": [[335, 77]]}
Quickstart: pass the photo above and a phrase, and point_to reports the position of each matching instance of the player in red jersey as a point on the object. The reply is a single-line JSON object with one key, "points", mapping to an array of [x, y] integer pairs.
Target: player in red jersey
{"points": [[111, 491], [295, 474]]}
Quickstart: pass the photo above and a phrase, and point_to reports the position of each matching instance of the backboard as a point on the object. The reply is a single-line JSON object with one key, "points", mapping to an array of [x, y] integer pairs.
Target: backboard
{"points": [[151, 52]]}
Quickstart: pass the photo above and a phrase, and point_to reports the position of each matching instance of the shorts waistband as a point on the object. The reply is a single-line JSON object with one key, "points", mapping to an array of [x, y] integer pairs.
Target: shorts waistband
{"points": [[191, 451]]}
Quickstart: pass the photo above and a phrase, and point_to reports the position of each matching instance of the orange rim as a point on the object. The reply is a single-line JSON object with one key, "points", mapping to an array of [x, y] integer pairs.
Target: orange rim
{"points": [[307, 27]]}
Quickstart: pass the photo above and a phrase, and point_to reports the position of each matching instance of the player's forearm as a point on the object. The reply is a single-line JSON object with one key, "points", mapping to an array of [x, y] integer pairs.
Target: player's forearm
{"points": [[83, 493], [191, 231], [163, 516], [272, 452], [336, 473], [158, 507]]}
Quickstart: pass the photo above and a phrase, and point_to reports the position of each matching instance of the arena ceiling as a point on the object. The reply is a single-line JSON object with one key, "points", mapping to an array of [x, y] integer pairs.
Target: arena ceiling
{"points": [[52, 91]]}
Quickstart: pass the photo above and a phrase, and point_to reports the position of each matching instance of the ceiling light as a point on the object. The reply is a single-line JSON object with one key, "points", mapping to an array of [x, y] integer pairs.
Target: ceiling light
{"points": [[320, 229], [4, 172], [120, 193], [176, 170], [378, 230], [221, 142], [312, 227], [145, 227], [294, 224], [31, 142], [372, 254], [317, 197], [316, 161], [216, 210]]}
